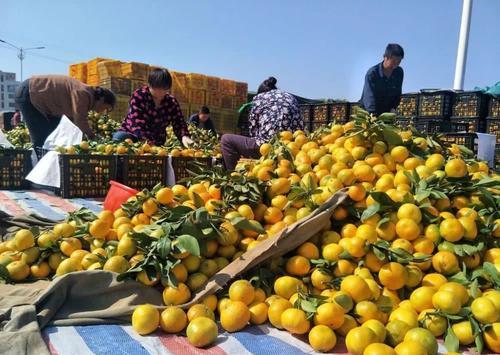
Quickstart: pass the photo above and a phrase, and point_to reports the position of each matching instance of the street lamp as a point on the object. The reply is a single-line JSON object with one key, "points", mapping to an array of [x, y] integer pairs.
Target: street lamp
{"points": [[21, 53]]}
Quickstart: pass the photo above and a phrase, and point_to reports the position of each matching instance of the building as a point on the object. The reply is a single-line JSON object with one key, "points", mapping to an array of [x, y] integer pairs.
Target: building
{"points": [[8, 86]]}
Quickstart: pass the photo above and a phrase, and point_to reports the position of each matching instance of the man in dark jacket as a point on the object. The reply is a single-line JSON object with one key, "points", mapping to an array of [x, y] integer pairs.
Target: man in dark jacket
{"points": [[384, 82], [202, 119]]}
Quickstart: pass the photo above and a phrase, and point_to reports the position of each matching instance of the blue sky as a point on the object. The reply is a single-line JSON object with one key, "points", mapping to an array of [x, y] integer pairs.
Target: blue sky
{"points": [[316, 49]]}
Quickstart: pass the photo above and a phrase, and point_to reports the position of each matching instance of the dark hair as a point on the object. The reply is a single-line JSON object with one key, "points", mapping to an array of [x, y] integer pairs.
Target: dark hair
{"points": [[160, 78], [267, 85], [394, 50], [205, 110], [106, 95]]}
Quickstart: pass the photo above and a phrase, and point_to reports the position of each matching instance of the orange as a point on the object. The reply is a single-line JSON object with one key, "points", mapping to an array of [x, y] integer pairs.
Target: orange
{"points": [[165, 196], [41, 270], [176, 295], [356, 288], [99, 229], [276, 309], [451, 230], [421, 298], [379, 349], [69, 245], [199, 310], [329, 314], [295, 321], [242, 290], [258, 313], [393, 275], [457, 289], [145, 319], [455, 168], [202, 331], [286, 286], [409, 210], [407, 228], [358, 339], [446, 301], [322, 338], [445, 263], [298, 266]]}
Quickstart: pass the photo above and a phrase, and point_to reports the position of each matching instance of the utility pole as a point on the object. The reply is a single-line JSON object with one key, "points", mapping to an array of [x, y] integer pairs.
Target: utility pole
{"points": [[21, 54], [463, 43]]}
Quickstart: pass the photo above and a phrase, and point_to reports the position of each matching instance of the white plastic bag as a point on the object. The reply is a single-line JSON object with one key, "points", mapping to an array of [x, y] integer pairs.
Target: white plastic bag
{"points": [[47, 171], [4, 141], [486, 148], [65, 134]]}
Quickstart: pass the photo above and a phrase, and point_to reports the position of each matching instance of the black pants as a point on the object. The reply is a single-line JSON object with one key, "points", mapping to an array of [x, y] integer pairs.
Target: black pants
{"points": [[39, 124]]}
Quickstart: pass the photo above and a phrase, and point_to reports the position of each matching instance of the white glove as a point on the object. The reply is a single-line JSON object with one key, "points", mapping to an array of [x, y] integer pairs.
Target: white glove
{"points": [[186, 141]]}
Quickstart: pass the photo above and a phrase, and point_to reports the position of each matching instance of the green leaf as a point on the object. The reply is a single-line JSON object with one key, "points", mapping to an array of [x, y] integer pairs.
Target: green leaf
{"points": [[492, 271], [164, 247], [343, 301], [370, 211], [4, 273], [383, 221], [243, 223], [308, 306], [451, 340], [188, 243], [391, 136], [384, 304]]}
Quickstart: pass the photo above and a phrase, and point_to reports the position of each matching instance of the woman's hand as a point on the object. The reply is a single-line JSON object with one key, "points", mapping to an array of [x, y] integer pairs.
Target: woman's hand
{"points": [[186, 141]]}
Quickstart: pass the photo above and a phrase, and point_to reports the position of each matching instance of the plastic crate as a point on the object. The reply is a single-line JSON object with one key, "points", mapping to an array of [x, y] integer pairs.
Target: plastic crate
{"points": [[197, 81], [226, 102], [494, 107], [15, 164], [241, 89], [467, 125], [142, 171], [213, 99], [227, 87], [493, 127], [86, 175], [320, 112], [431, 126], [404, 123], [213, 83], [469, 104], [305, 111], [182, 164], [408, 106], [435, 104], [497, 157], [339, 112], [317, 124], [468, 140], [134, 70], [109, 68], [198, 97], [120, 86]]}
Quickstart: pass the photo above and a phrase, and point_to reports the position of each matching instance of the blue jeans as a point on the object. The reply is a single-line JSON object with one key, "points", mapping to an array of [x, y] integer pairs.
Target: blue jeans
{"points": [[120, 136]]}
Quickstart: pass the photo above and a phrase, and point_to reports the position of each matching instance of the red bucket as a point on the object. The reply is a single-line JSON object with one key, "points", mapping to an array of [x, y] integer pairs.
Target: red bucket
{"points": [[117, 195]]}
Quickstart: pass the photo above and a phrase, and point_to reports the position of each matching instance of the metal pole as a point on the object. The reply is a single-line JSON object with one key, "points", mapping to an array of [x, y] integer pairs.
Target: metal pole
{"points": [[21, 57], [463, 43]]}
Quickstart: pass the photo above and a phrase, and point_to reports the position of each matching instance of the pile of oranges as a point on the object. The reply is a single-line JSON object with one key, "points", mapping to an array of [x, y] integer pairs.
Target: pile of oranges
{"points": [[412, 256]]}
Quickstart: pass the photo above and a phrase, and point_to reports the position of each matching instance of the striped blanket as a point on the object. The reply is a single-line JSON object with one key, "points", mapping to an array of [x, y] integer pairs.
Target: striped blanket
{"points": [[121, 339]]}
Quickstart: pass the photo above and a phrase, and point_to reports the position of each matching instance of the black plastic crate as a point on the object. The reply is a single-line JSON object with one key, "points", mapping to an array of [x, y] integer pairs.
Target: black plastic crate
{"points": [[435, 104], [469, 104], [15, 164], [305, 111], [317, 124], [431, 126], [497, 157], [468, 140], [404, 123], [467, 125], [321, 112], [182, 164], [493, 127], [339, 112], [143, 171], [408, 106], [494, 107], [86, 175]]}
